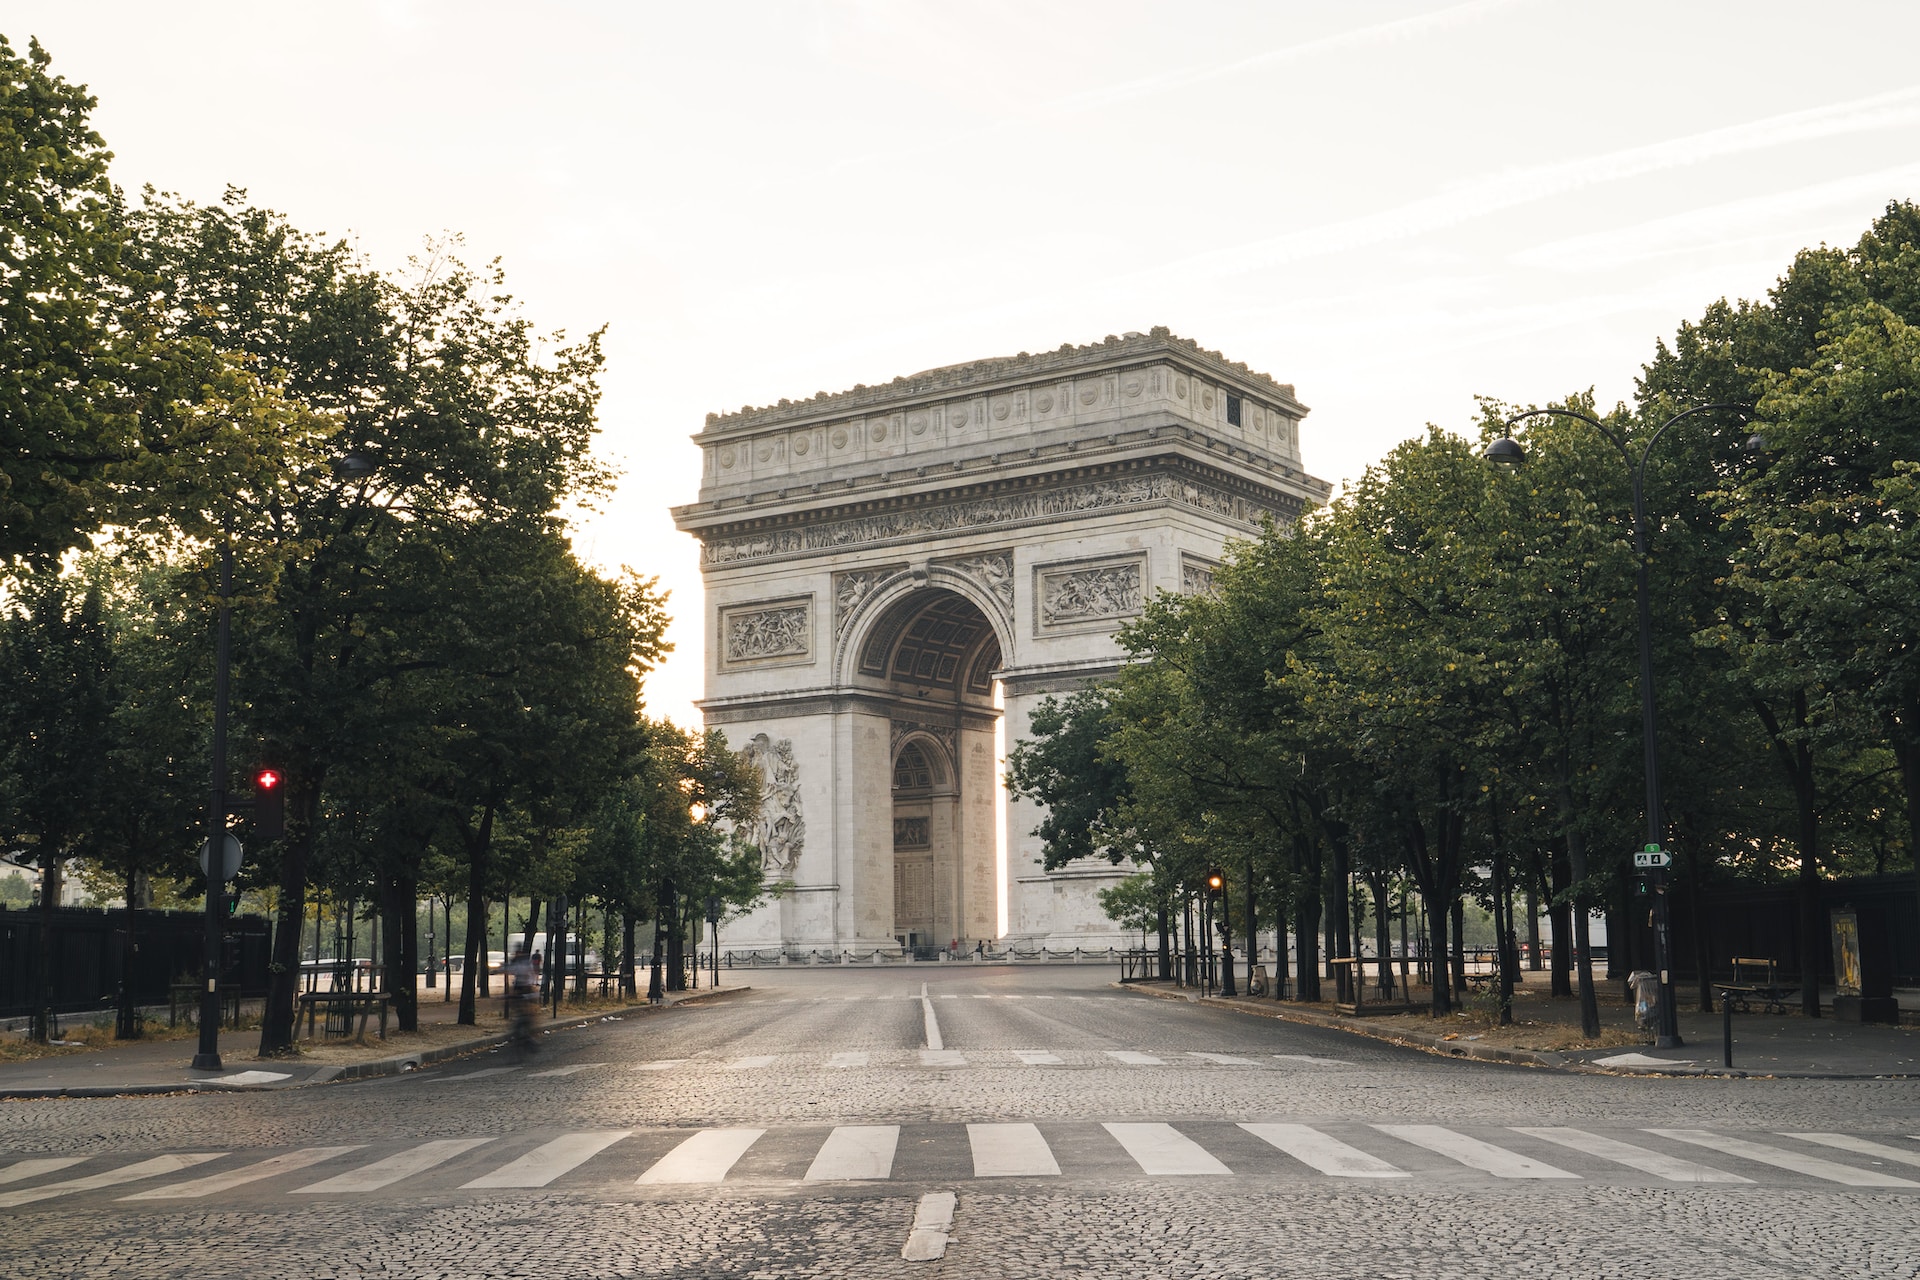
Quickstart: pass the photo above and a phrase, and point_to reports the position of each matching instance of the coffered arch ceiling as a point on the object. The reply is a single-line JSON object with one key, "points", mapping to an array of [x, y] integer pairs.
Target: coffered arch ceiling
{"points": [[935, 639]]}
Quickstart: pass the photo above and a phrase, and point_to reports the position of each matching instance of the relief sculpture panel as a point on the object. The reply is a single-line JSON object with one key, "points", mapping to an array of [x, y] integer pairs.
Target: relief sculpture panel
{"points": [[779, 632], [780, 832], [1090, 594]]}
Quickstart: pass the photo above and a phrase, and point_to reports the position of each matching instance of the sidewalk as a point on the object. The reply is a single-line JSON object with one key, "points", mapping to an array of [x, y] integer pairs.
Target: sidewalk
{"points": [[160, 1066], [1546, 1034]]}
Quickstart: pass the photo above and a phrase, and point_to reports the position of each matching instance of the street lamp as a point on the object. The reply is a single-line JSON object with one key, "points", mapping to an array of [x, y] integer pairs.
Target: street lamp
{"points": [[1507, 452]]}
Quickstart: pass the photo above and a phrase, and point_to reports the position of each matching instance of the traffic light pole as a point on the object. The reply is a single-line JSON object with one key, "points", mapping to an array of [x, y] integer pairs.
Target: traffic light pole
{"points": [[208, 1057]]}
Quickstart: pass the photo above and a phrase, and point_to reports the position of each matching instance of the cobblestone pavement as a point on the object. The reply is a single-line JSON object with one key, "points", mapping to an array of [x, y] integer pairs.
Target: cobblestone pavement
{"points": [[798, 1129]]}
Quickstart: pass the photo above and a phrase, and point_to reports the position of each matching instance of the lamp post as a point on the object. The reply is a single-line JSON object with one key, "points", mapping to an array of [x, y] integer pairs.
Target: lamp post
{"points": [[1507, 452]]}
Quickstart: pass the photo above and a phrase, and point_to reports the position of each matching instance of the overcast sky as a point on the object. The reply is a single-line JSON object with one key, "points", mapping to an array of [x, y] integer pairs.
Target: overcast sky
{"points": [[1394, 206]]}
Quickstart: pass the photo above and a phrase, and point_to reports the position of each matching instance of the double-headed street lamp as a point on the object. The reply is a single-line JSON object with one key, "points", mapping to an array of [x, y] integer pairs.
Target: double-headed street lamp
{"points": [[1508, 452]]}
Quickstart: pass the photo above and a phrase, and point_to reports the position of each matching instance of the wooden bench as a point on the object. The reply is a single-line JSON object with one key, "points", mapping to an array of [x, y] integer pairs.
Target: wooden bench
{"points": [[1747, 989], [340, 1008]]}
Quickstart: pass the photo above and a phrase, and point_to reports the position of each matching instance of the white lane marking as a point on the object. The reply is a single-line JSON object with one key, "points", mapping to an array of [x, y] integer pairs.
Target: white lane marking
{"points": [[932, 1023], [1037, 1057], [1224, 1059], [941, 1058], [384, 1173], [1859, 1146], [705, 1157], [751, 1064], [565, 1071], [787, 1001], [481, 1074], [271, 1168], [1312, 1061], [1473, 1153], [985, 997], [848, 1060], [851, 999], [1043, 997], [932, 1221], [21, 1169], [1010, 1151], [1813, 1166], [1076, 997], [659, 1065], [1133, 1059], [1318, 1151], [111, 1178], [1163, 1151], [247, 1077], [949, 997], [548, 1161], [1013, 997], [855, 1153], [1672, 1168]]}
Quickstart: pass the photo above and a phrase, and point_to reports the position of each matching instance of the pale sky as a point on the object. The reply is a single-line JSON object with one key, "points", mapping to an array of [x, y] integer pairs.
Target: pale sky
{"points": [[1393, 205]]}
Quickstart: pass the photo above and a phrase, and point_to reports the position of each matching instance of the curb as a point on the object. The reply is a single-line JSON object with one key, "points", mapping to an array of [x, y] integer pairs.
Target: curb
{"points": [[398, 1064], [1493, 1053], [1433, 1044]]}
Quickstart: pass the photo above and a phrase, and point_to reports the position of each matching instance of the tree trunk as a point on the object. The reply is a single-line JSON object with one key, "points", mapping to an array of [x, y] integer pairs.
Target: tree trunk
{"points": [[1166, 953], [1560, 920], [477, 844], [277, 1020], [42, 1028], [400, 943], [656, 984], [1307, 936], [1459, 909], [1533, 926], [629, 986], [1441, 1003]]}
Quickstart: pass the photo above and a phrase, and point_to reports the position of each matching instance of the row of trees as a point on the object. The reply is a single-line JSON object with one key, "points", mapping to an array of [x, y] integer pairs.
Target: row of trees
{"points": [[455, 700], [1435, 680]]}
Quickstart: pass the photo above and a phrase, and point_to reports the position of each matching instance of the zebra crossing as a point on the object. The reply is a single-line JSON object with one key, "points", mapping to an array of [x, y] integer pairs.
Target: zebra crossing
{"points": [[884, 1059], [605, 1159]]}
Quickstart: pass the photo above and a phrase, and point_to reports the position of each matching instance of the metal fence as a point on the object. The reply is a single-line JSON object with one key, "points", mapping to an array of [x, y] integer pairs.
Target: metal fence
{"points": [[89, 947]]}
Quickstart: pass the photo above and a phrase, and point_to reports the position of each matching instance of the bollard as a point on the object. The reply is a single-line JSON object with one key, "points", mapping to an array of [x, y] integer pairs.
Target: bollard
{"points": [[1726, 1032]]}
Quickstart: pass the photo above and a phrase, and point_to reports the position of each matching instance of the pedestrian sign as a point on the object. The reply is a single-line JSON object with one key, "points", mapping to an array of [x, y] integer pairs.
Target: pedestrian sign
{"points": [[1652, 856]]}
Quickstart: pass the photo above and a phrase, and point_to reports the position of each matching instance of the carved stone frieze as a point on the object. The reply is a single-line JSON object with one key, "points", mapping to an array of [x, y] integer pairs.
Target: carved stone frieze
{"points": [[852, 587], [977, 513], [758, 634], [993, 571], [1093, 593], [912, 833], [1196, 576], [780, 832]]}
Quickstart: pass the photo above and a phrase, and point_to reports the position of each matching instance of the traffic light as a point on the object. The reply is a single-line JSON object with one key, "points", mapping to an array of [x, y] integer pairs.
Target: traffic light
{"points": [[269, 803], [233, 903], [1215, 882]]}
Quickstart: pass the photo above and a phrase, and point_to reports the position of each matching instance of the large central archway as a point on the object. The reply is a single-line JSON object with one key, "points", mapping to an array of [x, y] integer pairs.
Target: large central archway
{"points": [[930, 653]]}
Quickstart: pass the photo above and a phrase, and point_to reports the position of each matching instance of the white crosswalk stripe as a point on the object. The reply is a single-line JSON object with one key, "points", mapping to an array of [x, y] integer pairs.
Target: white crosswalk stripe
{"points": [[1318, 1151], [548, 1161], [1010, 1151], [112, 1178], [705, 1157], [1134, 1059], [1472, 1152], [1672, 1168], [291, 1162], [481, 1074], [1779, 1158], [941, 1058], [1860, 1146], [1312, 1061], [565, 1071], [753, 1063], [1163, 1151], [660, 1064], [848, 1060], [1037, 1057], [21, 1170], [405, 1164], [1224, 1059], [855, 1153]]}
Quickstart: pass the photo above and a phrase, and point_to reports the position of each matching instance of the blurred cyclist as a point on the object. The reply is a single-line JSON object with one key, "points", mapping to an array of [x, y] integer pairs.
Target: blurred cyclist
{"points": [[521, 988]]}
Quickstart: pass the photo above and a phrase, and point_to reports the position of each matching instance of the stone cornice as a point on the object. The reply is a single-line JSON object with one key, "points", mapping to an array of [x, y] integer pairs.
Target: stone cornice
{"points": [[1000, 467], [986, 375], [1160, 480]]}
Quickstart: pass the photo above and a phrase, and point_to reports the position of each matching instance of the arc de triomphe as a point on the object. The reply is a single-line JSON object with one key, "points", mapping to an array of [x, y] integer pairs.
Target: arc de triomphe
{"points": [[885, 565]]}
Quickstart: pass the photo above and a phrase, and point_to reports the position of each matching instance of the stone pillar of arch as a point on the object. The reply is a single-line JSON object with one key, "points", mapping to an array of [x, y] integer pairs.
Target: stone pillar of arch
{"points": [[895, 574]]}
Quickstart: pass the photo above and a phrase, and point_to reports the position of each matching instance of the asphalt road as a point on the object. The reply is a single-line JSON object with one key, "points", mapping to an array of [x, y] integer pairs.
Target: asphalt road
{"points": [[1032, 1121]]}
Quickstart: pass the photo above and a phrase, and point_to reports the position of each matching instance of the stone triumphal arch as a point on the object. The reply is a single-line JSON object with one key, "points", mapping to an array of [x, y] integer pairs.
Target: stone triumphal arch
{"points": [[892, 569]]}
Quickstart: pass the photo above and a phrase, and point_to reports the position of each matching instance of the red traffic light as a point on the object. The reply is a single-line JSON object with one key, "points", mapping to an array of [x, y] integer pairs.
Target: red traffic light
{"points": [[266, 780], [269, 803]]}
